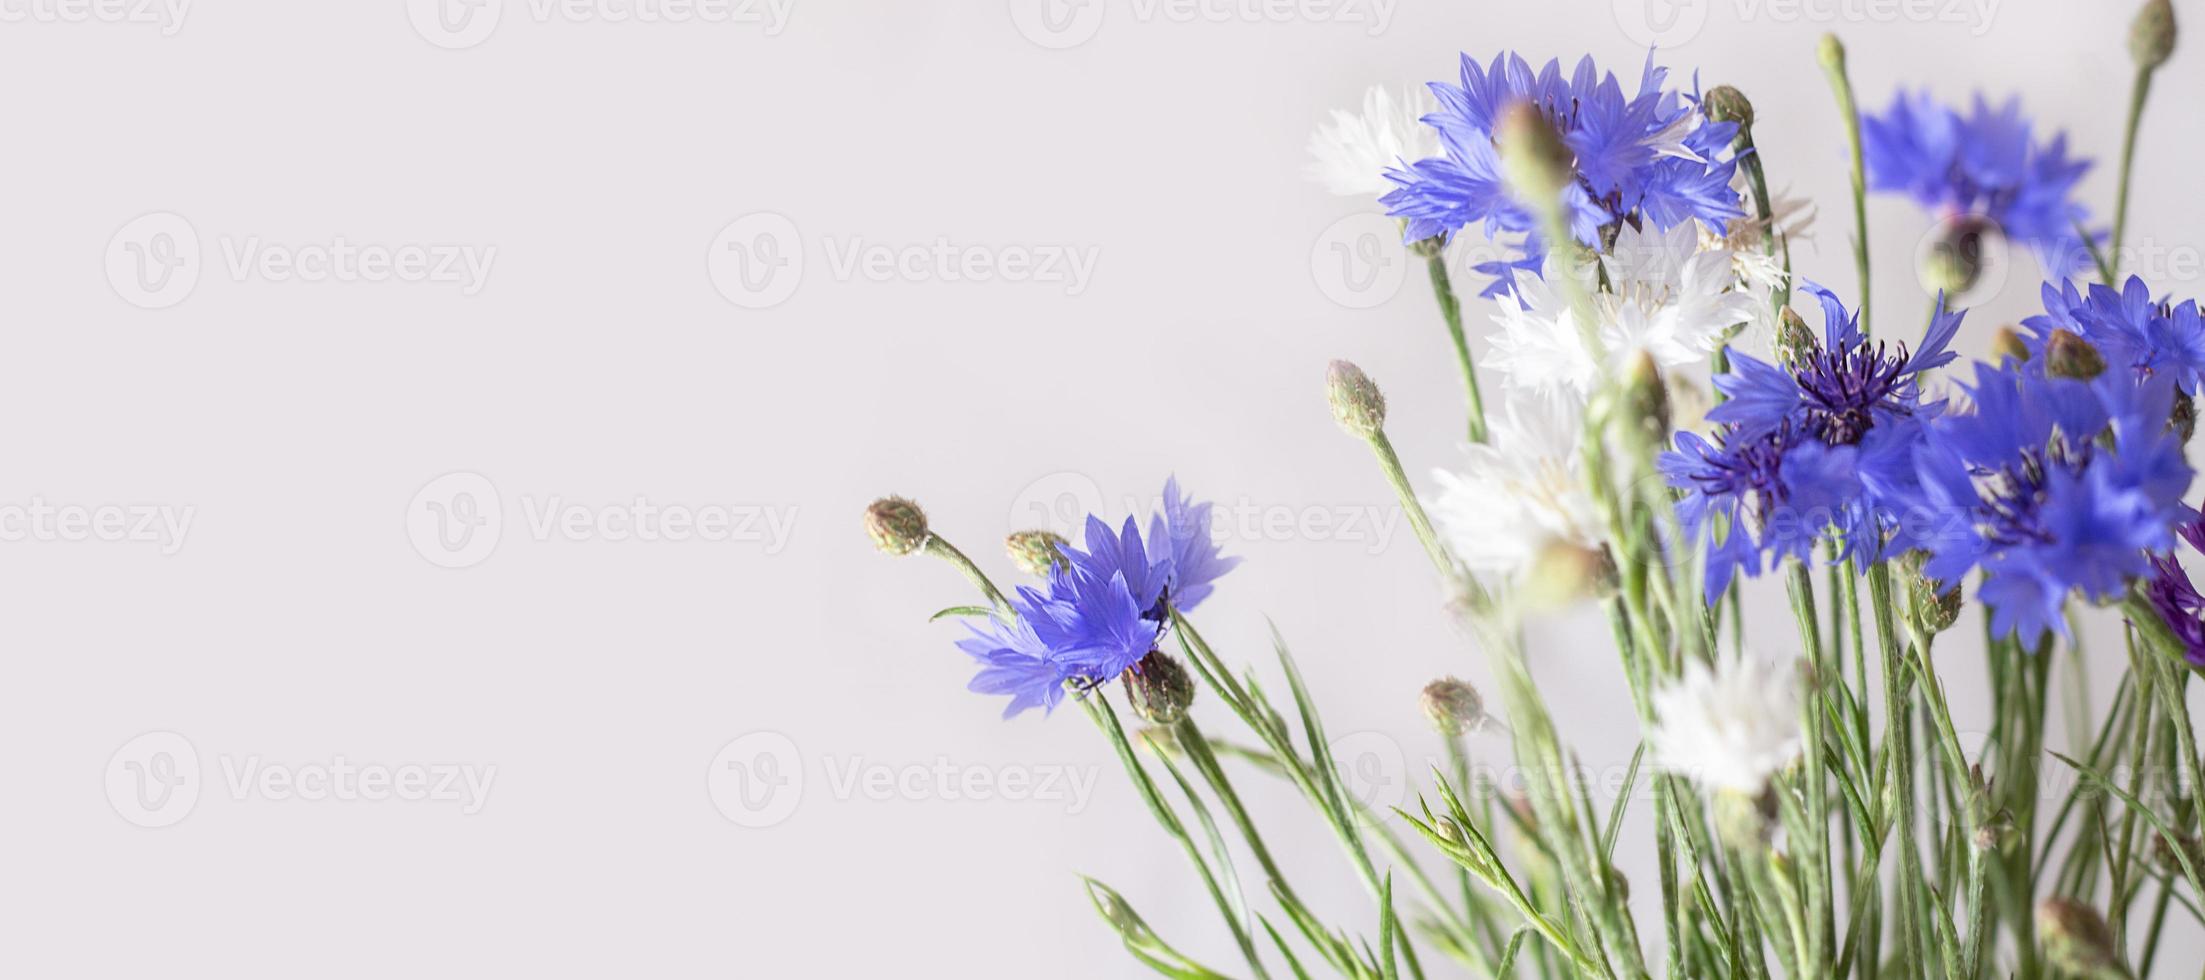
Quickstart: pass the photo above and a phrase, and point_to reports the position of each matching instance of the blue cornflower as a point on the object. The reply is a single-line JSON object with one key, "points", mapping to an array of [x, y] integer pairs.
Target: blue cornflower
{"points": [[1823, 448], [2028, 488], [2176, 600], [1986, 163], [1103, 609], [2127, 327], [1649, 157]]}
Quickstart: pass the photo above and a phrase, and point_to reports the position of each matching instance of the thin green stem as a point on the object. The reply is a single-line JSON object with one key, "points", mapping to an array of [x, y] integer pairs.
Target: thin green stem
{"points": [[2137, 93], [1450, 308], [1841, 85]]}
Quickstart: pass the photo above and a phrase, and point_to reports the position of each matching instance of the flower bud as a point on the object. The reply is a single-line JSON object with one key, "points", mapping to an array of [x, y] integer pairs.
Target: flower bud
{"points": [[2067, 355], [1537, 164], [1795, 342], [1646, 398], [1955, 258], [1745, 821], [1356, 401], [1453, 706], [1726, 104], [897, 526], [1159, 689], [2076, 937], [1563, 572], [2151, 34], [1036, 552], [1831, 52], [2007, 344], [2184, 421]]}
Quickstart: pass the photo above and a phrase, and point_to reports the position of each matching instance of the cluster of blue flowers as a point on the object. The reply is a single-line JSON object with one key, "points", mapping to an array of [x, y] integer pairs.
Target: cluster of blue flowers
{"points": [[1649, 158], [2128, 328], [2065, 485], [2050, 485], [1105, 607], [1821, 450], [1987, 164]]}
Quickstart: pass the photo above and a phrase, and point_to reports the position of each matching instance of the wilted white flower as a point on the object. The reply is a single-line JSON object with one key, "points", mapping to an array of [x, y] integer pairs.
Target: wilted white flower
{"points": [[1353, 151], [1730, 728], [1519, 491], [1760, 270], [1665, 296]]}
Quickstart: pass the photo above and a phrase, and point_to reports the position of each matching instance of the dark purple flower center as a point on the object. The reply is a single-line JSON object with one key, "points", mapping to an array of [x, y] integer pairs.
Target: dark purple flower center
{"points": [[2010, 497], [1843, 390]]}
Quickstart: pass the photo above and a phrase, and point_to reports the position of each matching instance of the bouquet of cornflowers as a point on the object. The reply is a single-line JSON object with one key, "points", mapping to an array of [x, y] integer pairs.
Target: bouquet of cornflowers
{"points": [[1813, 809]]}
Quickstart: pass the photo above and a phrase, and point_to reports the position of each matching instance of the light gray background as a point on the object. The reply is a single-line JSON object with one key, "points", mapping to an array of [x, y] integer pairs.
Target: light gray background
{"points": [[599, 362]]}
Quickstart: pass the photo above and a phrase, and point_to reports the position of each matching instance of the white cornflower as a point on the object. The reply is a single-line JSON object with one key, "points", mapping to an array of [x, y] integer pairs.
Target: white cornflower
{"points": [[1760, 270], [1520, 491], [1353, 151], [1665, 296], [1731, 728]]}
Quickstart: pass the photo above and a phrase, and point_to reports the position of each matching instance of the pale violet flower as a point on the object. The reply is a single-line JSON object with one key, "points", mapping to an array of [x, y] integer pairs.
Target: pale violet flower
{"points": [[1665, 296], [1731, 728], [1520, 491], [1354, 150]]}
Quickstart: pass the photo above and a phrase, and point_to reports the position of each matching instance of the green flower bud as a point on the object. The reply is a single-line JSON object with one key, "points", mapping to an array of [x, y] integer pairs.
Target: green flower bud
{"points": [[1938, 607], [1534, 160], [2076, 938], [1453, 706], [1036, 552], [1745, 822], [2151, 34], [1955, 259], [1831, 52], [1564, 572], [1159, 689], [897, 526], [1726, 104], [2007, 344], [1646, 398], [1795, 342], [2067, 355], [1356, 401]]}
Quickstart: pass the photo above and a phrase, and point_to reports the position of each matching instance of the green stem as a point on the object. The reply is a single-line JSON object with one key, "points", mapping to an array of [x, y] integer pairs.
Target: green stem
{"points": [[2137, 94], [1450, 308], [940, 547], [1833, 63]]}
